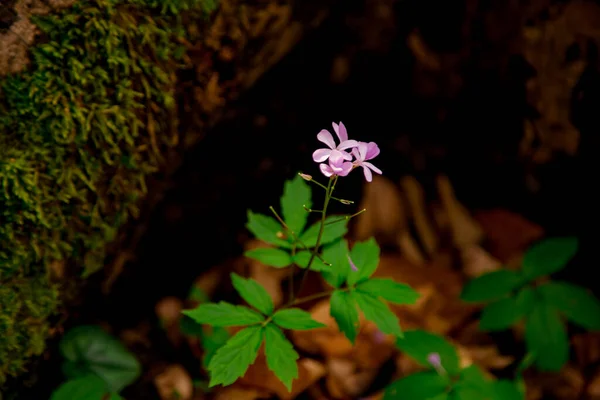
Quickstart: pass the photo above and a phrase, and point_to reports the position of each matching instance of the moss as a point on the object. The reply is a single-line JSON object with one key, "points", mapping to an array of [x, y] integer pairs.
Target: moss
{"points": [[80, 132]]}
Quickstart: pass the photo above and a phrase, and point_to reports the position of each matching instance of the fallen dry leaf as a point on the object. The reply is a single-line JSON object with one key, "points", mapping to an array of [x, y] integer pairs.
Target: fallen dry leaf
{"points": [[507, 233], [476, 261], [239, 391], [260, 376], [346, 380], [168, 312], [174, 383]]}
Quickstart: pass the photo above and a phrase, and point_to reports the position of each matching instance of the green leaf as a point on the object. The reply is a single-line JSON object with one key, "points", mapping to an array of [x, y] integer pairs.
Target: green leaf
{"points": [[223, 314], [549, 256], [337, 255], [365, 256], [198, 295], [232, 360], [270, 256], [189, 327], [281, 356], [88, 387], [419, 344], [302, 258], [295, 318], [492, 286], [420, 386], [390, 290], [343, 310], [472, 385], [266, 229], [506, 390], [296, 196], [546, 338], [332, 231], [254, 294], [575, 302], [89, 349], [503, 313], [213, 341], [379, 313]]}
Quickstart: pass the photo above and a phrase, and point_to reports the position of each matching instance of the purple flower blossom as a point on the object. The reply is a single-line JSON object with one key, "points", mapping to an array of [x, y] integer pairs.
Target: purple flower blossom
{"points": [[324, 136], [364, 152], [337, 165], [352, 265]]}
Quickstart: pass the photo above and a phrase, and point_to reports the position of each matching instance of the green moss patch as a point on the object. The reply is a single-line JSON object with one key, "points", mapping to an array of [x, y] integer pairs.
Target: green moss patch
{"points": [[80, 131]]}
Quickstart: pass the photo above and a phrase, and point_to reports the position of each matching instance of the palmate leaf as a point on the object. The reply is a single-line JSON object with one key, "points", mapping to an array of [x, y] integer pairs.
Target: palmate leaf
{"points": [[266, 229], [423, 385], [88, 387]]}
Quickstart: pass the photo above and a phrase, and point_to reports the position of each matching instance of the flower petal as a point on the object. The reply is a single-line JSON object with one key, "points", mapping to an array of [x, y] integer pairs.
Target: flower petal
{"points": [[345, 169], [362, 150], [326, 170], [352, 265], [372, 151], [321, 155], [347, 144], [368, 174], [342, 132], [325, 137], [371, 166], [336, 158]]}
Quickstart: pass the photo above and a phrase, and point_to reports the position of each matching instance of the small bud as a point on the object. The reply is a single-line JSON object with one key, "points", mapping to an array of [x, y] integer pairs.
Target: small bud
{"points": [[306, 177], [352, 265], [436, 362], [280, 235], [346, 202]]}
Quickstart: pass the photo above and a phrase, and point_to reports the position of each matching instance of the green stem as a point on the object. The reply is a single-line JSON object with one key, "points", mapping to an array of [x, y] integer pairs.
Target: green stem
{"points": [[296, 238], [328, 192], [347, 217]]}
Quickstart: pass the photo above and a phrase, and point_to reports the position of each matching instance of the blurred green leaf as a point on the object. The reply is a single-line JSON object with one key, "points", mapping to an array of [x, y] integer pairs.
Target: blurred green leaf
{"points": [[492, 286], [419, 344], [420, 386], [549, 256], [546, 338], [504, 313], [89, 349], [575, 302]]}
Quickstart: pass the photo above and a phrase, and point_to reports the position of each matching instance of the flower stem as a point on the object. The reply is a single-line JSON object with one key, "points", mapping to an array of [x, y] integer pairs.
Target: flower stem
{"points": [[296, 238], [347, 217], [328, 192]]}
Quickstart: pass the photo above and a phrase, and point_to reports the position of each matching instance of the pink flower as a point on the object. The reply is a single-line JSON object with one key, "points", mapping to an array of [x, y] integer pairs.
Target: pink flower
{"points": [[324, 136], [362, 153], [337, 165], [352, 265]]}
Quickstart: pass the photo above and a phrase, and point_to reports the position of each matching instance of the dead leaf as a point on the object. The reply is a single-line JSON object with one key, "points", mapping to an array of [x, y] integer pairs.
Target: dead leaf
{"points": [[174, 383], [239, 391], [507, 233], [260, 376]]}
